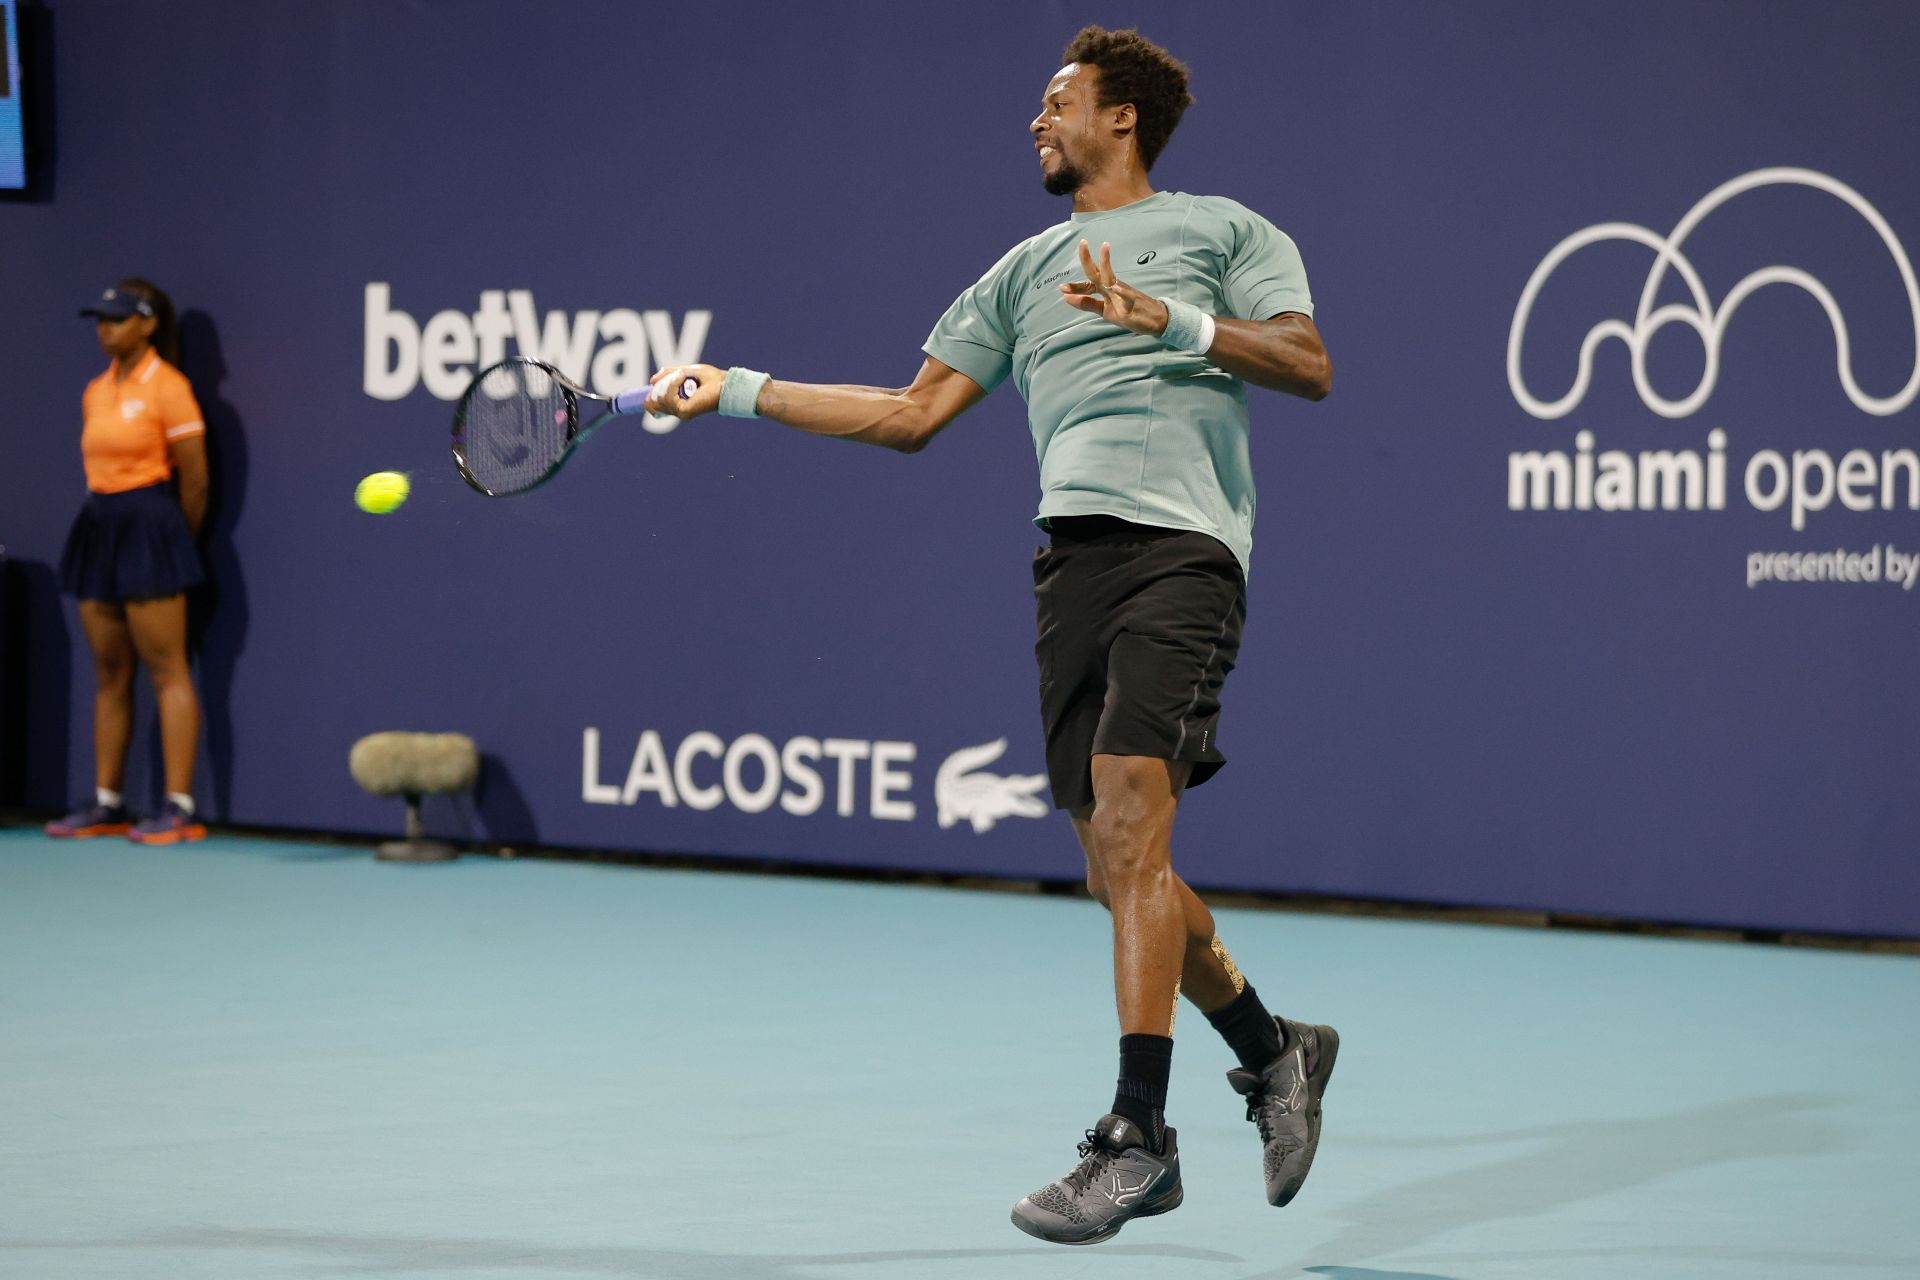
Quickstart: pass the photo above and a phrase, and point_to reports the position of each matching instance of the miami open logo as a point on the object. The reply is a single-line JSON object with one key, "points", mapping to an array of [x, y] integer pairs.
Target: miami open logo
{"points": [[1708, 319], [1802, 481]]}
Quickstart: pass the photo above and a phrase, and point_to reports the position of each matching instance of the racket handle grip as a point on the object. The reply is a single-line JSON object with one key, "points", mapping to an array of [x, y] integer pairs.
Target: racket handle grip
{"points": [[634, 399]]}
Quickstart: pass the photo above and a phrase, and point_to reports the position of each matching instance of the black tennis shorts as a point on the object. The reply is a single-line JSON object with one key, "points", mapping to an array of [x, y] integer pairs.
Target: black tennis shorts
{"points": [[1139, 627]]}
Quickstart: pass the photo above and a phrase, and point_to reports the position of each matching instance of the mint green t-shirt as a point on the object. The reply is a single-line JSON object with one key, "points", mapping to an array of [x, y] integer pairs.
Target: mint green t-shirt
{"points": [[1123, 425]]}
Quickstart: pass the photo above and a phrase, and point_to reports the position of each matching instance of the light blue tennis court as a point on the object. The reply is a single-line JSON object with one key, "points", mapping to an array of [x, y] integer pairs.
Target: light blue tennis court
{"points": [[261, 1059]]}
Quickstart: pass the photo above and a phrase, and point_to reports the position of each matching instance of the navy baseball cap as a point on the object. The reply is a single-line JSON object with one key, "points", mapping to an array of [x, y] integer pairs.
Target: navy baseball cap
{"points": [[118, 304]]}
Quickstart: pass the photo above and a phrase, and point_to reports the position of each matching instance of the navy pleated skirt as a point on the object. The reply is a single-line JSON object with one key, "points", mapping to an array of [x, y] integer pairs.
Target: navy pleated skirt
{"points": [[133, 545]]}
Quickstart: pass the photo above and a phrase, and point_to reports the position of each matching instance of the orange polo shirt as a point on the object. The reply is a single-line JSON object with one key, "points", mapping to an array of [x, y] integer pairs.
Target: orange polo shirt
{"points": [[130, 423]]}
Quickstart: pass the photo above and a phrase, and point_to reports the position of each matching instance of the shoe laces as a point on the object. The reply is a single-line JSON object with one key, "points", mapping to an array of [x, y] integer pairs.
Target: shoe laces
{"points": [[1257, 1112], [1257, 1100], [1093, 1158], [1262, 1105]]}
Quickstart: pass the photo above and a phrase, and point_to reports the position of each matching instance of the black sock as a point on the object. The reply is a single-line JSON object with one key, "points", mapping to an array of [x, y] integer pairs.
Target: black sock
{"points": [[1248, 1029], [1141, 1093]]}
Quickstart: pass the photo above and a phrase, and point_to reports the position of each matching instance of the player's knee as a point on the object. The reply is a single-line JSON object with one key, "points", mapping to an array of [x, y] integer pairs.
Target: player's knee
{"points": [[1116, 823], [1129, 858], [1108, 829], [113, 671], [168, 671]]}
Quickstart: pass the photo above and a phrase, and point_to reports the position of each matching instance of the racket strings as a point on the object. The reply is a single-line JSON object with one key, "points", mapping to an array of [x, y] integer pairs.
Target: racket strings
{"points": [[514, 427]]}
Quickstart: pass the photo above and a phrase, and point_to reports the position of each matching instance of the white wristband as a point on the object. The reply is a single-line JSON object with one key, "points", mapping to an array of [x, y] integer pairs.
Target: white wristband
{"points": [[1188, 327], [740, 392]]}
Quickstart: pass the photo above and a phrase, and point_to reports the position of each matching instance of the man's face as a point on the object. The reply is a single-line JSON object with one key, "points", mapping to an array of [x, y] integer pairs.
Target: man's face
{"points": [[1066, 132]]}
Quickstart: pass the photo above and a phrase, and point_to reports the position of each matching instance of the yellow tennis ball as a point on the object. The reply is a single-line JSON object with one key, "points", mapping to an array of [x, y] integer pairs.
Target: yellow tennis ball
{"points": [[381, 492]]}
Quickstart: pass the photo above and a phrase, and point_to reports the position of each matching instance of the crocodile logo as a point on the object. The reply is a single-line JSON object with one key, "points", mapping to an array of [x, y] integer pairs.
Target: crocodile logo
{"points": [[964, 793]]}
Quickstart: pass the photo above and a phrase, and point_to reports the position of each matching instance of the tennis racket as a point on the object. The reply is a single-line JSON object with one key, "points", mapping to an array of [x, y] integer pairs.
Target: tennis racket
{"points": [[520, 420]]}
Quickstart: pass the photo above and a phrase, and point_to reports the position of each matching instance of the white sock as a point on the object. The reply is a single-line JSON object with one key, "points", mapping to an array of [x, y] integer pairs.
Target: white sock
{"points": [[183, 800], [106, 798]]}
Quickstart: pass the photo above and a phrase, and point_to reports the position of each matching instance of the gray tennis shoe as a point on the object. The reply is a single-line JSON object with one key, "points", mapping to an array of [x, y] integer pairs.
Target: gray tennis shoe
{"points": [[1284, 1101], [1117, 1179]]}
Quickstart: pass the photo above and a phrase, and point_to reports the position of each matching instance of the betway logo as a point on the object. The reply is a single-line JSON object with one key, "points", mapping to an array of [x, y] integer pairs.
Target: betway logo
{"points": [[604, 351], [753, 774]]}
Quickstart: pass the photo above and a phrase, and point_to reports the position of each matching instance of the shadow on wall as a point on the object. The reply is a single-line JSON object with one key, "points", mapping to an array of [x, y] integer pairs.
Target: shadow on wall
{"points": [[495, 813], [505, 817], [217, 612]]}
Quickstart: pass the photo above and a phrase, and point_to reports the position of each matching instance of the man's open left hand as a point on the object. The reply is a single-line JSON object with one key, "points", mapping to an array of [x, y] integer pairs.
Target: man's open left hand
{"points": [[1112, 299]]}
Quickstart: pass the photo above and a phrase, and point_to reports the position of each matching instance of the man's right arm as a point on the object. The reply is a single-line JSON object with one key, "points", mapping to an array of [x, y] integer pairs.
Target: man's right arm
{"points": [[904, 419]]}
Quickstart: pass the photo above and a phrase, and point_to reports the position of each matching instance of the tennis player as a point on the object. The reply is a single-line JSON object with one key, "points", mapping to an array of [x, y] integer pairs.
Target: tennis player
{"points": [[1136, 389], [130, 556]]}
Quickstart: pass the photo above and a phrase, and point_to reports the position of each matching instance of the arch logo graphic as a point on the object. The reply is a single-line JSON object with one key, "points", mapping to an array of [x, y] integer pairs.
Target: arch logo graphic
{"points": [[1801, 482], [1701, 314]]}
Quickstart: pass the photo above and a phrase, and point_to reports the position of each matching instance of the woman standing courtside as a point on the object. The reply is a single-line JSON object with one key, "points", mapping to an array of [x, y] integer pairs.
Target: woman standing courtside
{"points": [[131, 555]]}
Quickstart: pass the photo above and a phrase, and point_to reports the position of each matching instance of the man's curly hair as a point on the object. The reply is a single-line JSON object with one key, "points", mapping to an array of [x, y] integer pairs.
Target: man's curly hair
{"points": [[1135, 69]]}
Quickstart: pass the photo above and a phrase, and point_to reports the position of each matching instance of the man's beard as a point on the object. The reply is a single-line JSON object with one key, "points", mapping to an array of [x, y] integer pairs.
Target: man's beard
{"points": [[1065, 180]]}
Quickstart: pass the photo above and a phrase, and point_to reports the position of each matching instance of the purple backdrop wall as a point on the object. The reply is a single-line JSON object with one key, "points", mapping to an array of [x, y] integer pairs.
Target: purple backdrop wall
{"points": [[1445, 693]]}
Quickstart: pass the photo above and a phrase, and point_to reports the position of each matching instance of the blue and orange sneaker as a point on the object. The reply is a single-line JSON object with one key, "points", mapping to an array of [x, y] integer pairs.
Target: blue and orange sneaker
{"points": [[172, 826], [91, 820]]}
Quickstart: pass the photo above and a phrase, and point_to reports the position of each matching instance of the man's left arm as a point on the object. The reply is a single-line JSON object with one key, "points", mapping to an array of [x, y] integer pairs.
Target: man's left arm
{"points": [[1283, 353]]}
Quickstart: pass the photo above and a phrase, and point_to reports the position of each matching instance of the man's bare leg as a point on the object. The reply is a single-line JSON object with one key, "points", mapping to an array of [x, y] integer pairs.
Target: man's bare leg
{"points": [[1127, 836], [1131, 825], [1207, 976], [1133, 836]]}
